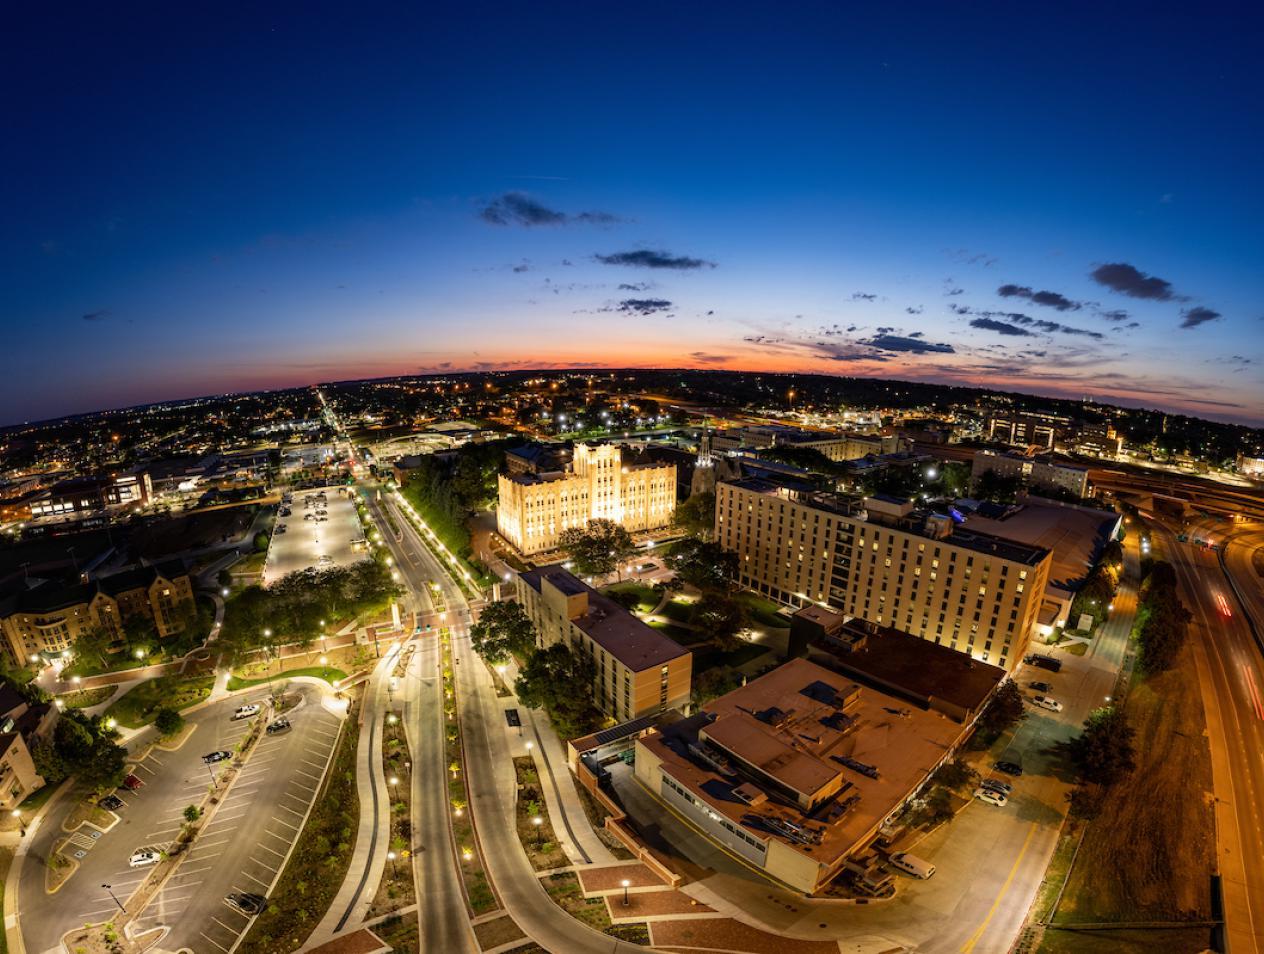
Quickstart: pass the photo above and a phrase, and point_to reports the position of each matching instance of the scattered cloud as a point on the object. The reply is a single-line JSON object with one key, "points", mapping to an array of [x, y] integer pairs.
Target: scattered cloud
{"points": [[1117, 314], [1018, 318], [890, 342], [524, 267], [967, 257], [991, 324], [1198, 315], [863, 296], [643, 306], [1130, 281], [708, 358], [634, 286], [914, 310], [647, 258], [518, 208], [99, 315], [1047, 298]]}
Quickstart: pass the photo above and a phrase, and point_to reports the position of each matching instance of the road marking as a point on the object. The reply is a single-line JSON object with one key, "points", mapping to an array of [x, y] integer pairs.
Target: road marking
{"points": [[161, 831], [213, 941], [319, 765], [284, 840], [232, 931], [307, 774], [239, 794], [261, 864], [291, 811], [974, 938], [155, 758], [204, 857], [301, 801], [266, 848], [285, 823], [182, 874], [142, 765], [256, 880]]}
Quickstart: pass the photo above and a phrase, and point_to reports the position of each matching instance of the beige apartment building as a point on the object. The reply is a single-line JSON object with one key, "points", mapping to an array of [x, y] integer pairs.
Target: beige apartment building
{"points": [[47, 619], [639, 671], [1033, 471], [883, 561], [534, 508], [21, 726]]}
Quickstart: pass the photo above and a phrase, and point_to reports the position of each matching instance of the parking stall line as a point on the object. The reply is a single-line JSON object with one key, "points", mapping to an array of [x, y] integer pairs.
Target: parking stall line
{"points": [[291, 811], [301, 801], [256, 880], [270, 850], [213, 941], [185, 874], [262, 865], [239, 795], [153, 758], [299, 771], [285, 823], [146, 768], [204, 857], [319, 765], [232, 931], [281, 838]]}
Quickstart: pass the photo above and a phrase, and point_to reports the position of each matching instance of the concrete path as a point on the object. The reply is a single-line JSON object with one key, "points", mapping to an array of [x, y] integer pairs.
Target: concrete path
{"points": [[368, 860]]}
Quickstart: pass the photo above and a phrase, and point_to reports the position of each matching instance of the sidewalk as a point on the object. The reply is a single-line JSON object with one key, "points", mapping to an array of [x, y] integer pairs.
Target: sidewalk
{"points": [[368, 860], [570, 822]]}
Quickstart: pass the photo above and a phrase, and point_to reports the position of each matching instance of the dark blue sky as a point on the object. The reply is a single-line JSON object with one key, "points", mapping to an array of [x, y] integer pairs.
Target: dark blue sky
{"points": [[213, 201]]}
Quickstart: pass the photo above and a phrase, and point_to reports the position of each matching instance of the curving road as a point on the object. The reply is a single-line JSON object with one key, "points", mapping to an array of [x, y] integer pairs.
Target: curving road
{"points": [[1231, 672]]}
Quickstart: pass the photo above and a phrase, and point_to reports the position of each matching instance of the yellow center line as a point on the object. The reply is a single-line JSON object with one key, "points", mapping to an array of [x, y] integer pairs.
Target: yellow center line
{"points": [[974, 938]]}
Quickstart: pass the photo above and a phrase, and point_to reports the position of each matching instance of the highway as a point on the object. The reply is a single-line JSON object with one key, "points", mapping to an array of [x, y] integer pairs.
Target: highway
{"points": [[1231, 673]]}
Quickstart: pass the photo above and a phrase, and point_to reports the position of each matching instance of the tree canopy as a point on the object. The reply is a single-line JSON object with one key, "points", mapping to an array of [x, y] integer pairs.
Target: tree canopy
{"points": [[704, 565], [696, 516], [1162, 620], [1104, 751], [560, 682], [503, 629], [598, 548]]}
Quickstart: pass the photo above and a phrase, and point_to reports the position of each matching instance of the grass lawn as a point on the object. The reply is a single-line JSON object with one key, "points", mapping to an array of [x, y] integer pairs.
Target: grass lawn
{"points": [[38, 800], [647, 599], [327, 673], [140, 705], [1148, 855], [678, 610], [710, 656], [763, 611], [686, 637], [83, 698], [1167, 940]]}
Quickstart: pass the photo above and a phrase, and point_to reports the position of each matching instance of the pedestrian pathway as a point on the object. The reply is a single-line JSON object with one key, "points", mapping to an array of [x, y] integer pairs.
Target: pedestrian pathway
{"points": [[368, 860]]}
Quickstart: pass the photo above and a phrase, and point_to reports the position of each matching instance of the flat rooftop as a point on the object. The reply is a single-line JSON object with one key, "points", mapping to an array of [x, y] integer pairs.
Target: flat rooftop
{"points": [[625, 637], [920, 668], [1075, 535], [797, 723]]}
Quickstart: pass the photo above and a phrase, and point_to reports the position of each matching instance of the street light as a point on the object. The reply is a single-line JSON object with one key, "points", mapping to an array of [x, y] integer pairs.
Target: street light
{"points": [[21, 824], [537, 821], [110, 888], [390, 856], [625, 884]]}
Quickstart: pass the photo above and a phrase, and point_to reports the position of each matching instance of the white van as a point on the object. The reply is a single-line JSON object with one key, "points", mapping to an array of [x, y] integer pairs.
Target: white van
{"points": [[912, 865]]}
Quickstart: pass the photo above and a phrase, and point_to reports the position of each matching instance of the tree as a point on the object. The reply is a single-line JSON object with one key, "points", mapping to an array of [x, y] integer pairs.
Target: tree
{"points": [[168, 721], [597, 549], [1162, 620], [704, 565], [1104, 751], [1003, 709], [955, 774], [503, 629], [997, 487], [721, 615], [696, 516], [560, 682], [713, 683], [261, 542], [94, 642]]}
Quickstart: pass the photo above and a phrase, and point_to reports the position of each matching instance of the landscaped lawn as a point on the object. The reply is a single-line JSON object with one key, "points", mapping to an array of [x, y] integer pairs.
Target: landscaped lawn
{"points": [[678, 609], [328, 673], [140, 705], [647, 599], [686, 637], [763, 611], [709, 656]]}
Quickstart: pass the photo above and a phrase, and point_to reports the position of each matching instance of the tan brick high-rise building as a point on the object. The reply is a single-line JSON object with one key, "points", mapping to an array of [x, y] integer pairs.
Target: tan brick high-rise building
{"points": [[885, 562], [534, 509]]}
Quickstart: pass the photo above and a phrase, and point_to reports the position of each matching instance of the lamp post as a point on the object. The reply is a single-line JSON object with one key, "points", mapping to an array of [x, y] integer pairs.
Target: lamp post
{"points": [[537, 822], [625, 883], [390, 856], [110, 888], [267, 663], [21, 824]]}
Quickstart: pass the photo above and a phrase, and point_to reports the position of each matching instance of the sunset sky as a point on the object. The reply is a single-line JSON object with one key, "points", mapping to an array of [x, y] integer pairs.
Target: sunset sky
{"points": [[1064, 202]]}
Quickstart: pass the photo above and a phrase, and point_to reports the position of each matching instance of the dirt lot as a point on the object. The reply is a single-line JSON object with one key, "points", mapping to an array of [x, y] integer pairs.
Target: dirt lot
{"points": [[191, 531], [1148, 855]]}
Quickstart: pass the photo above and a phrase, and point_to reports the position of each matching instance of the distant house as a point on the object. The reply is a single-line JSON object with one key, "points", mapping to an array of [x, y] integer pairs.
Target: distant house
{"points": [[21, 726]]}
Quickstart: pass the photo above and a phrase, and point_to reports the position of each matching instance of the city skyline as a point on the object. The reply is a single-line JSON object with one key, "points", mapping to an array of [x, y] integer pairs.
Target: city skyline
{"points": [[278, 202]]}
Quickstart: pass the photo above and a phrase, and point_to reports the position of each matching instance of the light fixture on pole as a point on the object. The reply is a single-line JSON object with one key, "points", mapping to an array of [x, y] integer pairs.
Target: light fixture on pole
{"points": [[625, 883]]}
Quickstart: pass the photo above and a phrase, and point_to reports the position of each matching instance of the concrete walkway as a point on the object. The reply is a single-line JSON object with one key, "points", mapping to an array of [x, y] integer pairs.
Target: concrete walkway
{"points": [[351, 905], [570, 822]]}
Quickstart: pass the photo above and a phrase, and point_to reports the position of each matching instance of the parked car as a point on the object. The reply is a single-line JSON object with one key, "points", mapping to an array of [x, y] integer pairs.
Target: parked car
{"points": [[1040, 686], [308, 516], [144, 857], [1047, 702], [245, 712], [912, 865], [325, 560], [210, 758], [246, 903], [132, 783], [280, 528], [989, 797], [110, 802], [1009, 768], [280, 725], [1044, 662], [1005, 788]]}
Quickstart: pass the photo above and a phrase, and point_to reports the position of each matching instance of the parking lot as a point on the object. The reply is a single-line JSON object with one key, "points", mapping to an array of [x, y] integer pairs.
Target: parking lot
{"points": [[321, 531], [244, 846]]}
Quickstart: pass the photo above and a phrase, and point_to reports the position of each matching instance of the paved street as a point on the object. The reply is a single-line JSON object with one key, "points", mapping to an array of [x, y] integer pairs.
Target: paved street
{"points": [[1231, 671]]}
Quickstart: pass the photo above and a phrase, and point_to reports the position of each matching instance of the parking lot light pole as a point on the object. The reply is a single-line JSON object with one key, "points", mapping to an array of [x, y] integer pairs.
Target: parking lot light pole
{"points": [[110, 888], [267, 663], [21, 824]]}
